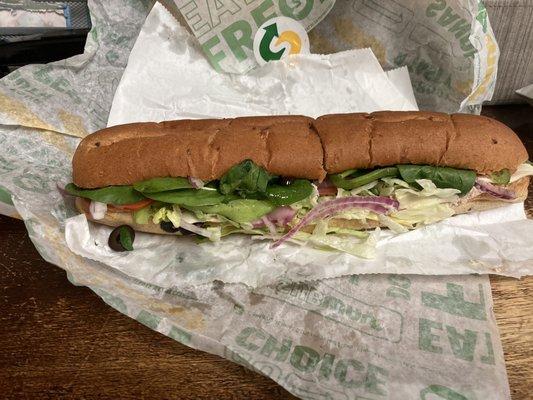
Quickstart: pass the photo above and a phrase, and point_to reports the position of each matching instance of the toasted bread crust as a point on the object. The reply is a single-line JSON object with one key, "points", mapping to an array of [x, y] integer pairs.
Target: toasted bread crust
{"points": [[204, 149], [294, 146], [388, 138]]}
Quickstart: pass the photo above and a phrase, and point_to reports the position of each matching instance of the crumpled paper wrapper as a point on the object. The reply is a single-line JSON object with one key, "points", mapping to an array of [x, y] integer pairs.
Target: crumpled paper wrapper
{"points": [[226, 29], [449, 46], [361, 336], [167, 77]]}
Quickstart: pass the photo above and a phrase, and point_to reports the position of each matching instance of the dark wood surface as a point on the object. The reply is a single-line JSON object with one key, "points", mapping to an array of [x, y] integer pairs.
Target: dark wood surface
{"points": [[62, 341]]}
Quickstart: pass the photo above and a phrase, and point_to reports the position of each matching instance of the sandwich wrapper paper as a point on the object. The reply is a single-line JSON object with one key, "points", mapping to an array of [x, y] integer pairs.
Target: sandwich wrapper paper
{"points": [[168, 77], [449, 46], [385, 336]]}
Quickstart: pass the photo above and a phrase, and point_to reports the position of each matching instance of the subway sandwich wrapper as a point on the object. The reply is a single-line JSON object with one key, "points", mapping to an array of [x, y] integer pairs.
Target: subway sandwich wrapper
{"points": [[383, 336], [449, 46], [168, 77]]}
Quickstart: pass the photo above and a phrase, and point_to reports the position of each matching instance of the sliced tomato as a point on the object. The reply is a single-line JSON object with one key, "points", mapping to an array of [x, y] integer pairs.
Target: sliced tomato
{"points": [[130, 207]]}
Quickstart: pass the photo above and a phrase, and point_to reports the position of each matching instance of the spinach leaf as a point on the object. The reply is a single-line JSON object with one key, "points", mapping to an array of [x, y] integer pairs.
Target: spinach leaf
{"points": [[442, 177], [155, 185], [284, 195], [352, 178], [118, 195], [246, 178], [502, 177], [191, 197], [241, 210]]}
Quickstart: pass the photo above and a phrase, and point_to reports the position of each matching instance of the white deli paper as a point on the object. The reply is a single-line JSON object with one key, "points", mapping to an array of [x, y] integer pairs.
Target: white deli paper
{"points": [[362, 336], [167, 77]]}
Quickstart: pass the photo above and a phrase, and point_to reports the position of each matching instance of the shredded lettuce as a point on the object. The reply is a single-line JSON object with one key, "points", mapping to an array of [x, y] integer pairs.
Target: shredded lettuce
{"points": [[303, 206], [364, 247], [425, 206], [170, 213], [523, 170], [420, 203], [392, 224]]}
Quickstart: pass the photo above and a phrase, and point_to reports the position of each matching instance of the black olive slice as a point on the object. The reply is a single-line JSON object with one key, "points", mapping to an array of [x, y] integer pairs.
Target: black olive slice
{"points": [[121, 238]]}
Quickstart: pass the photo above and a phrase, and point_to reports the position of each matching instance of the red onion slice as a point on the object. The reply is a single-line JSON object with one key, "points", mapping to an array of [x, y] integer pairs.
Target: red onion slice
{"points": [[271, 227], [495, 191], [196, 183], [97, 210], [377, 204], [281, 216]]}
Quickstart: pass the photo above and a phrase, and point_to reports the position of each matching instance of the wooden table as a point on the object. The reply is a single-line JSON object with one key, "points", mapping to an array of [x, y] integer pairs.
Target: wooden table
{"points": [[62, 341]]}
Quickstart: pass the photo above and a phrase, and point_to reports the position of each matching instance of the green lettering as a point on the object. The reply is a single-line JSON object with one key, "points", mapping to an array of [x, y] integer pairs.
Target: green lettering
{"points": [[431, 10], [400, 281], [371, 321], [465, 43], [214, 58], [258, 14], [470, 54], [5, 196], [243, 339], [304, 358], [489, 357], [353, 313], [426, 337], [325, 366], [148, 319], [332, 303], [461, 28], [14, 75], [455, 304], [442, 391], [341, 372], [114, 301], [42, 76], [32, 183], [218, 8], [60, 85], [463, 346], [282, 351], [373, 383], [291, 12], [482, 16], [179, 335], [398, 292], [434, 75], [239, 35], [447, 17], [22, 84]]}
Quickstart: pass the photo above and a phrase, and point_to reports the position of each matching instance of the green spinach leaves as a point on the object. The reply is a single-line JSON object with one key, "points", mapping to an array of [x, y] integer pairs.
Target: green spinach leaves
{"points": [[502, 177], [443, 177], [353, 178]]}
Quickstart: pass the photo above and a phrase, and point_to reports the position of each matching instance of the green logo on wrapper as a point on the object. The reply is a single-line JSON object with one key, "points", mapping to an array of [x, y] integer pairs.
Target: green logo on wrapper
{"points": [[440, 392], [5, 196], [278, 38], [349, 373]]}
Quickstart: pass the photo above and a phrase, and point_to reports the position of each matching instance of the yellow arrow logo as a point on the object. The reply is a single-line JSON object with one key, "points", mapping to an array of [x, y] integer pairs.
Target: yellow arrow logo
{"points": [[293, 39]]}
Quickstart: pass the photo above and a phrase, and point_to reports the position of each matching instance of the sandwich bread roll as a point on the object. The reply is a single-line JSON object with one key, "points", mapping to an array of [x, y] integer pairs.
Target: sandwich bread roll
{"points": [[294, 146]]}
